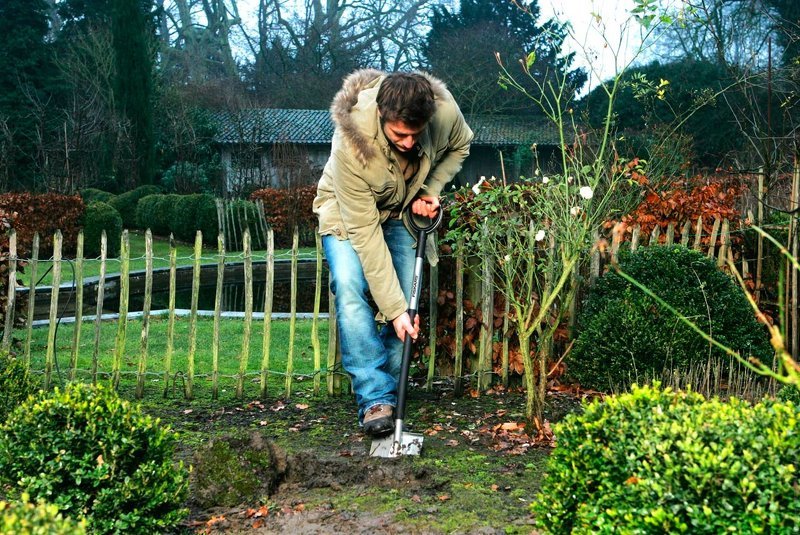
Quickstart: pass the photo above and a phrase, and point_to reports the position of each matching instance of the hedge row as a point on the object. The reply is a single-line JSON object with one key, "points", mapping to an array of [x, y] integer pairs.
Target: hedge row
{"points": [[285, 208], [180, 215], [44, 213]]}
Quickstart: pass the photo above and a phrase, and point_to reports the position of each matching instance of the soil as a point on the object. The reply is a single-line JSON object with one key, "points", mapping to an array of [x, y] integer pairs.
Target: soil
{"points": [[477, 473]]}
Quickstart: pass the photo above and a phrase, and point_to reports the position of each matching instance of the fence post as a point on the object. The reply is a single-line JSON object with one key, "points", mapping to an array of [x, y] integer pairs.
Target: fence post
{"points": [[654, 235], [198, 251], [248, 312], [687, 228], [433, 319], [670, 233], [315, 320], [459, 350], [31, 299], [487, 325], [217, 316], [173, 262], [76, 332], [725, 238], [712, 243], [122, 322], [101, 288], [698, 234], [292, 313], [148, 299], [637, 231], [12, 290], [268, 292], [795, 249], [51, 333]]}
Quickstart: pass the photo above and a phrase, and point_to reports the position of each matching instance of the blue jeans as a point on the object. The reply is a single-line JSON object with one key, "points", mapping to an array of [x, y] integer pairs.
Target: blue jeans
{"points": [[371, 356]]}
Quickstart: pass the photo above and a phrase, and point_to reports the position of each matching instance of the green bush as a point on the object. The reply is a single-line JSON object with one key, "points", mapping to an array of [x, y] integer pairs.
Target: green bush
{"points": [[92, 454], [207, 219], [25, 518], [658, 461], [15, 384], [183, 223], [789, 393], [625, 335], [100, 216], [155, 212], [90, 195], [125, 203]]}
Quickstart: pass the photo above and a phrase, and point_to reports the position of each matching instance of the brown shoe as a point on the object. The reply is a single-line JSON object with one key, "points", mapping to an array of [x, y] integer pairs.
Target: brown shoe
{"points": [[378, 420]]}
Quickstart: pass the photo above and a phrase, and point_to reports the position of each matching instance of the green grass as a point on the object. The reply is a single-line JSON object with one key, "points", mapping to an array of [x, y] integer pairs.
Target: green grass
{"points": [[230, 347], [184, 254]]}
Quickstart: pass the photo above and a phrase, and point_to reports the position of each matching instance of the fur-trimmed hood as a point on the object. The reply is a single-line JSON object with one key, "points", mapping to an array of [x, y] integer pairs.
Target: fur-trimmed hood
{"points": [[357, 126]]}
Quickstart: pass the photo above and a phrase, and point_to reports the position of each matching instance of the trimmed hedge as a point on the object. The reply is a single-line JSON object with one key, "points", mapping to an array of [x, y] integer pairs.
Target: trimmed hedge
{"points": [[658, 461], [125, 203], [92, 454], [155, 212], [191, 213], [623, 333], [90, 195], [25, 518], [101, 216], [284, 208], [43, 213]]}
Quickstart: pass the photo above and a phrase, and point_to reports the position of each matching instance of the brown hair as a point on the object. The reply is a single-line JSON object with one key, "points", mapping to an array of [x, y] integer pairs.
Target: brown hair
{"points": [[406, 97]]}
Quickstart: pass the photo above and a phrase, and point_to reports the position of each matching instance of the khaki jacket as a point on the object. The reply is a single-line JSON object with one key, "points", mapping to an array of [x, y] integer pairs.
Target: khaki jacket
{"points": [[362, 183]]}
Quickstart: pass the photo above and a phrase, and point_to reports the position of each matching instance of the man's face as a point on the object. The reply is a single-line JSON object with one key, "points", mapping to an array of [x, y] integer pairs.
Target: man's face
{"points": [[401, 135]]}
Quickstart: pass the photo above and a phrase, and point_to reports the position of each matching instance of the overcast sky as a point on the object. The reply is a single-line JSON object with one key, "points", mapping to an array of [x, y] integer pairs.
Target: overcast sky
{"points": [[604, 37]]}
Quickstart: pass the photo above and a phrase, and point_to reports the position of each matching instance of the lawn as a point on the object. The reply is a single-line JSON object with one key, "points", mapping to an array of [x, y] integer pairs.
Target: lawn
{"points": [[230, 347]]}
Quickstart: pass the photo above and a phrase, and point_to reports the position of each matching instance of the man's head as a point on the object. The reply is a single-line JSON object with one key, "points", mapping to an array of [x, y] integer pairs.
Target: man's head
{"points": [[406, 104]]}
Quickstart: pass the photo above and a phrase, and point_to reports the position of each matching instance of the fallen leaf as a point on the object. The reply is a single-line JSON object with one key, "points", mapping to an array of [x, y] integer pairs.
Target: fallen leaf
{"points": [[301, 406], [262, 423], [444, 497], [495, 487], [452, 443], [188, 411], [416, 499], [258, 523]]}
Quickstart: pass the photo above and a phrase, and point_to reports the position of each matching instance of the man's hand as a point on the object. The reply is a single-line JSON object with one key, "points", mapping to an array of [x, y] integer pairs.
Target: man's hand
{"points": [[426, 205], [402, 325]]}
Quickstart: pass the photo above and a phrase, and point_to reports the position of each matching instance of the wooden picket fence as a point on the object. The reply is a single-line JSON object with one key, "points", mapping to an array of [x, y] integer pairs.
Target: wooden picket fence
{"points": [[481, 367]]}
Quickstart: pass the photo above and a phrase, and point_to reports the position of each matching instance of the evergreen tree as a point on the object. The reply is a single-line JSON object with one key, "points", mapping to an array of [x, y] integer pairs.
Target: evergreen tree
{"points": [[26, 76], [462, 44], [133, 85]]}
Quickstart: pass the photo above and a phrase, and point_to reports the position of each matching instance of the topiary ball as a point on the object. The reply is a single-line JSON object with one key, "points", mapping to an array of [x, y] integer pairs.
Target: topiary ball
{"points": [[94, 455], [100, 216], [659, 461], [625, 335]]}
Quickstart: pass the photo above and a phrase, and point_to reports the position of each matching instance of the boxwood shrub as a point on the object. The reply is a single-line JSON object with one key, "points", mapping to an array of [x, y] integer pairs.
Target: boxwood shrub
{"points": [[26, 518], [191, 213], [155, 212], [100, 216], [658, 461], [15, 384], [125, 203], [624, 334], [92, 454]]}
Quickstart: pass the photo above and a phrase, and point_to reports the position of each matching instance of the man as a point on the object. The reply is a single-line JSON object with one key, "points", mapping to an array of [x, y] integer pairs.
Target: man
{"points": [[399, 139]]}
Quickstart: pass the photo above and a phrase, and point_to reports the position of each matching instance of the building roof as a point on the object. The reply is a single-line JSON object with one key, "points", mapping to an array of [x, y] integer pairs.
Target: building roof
{"points": [[273, 125]]}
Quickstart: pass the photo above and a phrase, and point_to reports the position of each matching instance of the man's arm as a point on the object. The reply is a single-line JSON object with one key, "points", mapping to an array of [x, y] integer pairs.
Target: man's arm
{"points": [[459, 139]]}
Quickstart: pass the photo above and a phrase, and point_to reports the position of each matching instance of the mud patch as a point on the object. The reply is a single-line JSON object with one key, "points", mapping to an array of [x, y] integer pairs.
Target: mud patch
{"points": [[308, 470]]}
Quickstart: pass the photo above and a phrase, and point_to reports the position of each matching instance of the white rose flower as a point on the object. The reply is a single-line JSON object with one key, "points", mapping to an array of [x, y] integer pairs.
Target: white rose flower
{"points": [[586, 192], [575, 210], [477, 187], [539, 235], [545, 180], [570, 180], [507, 258]]}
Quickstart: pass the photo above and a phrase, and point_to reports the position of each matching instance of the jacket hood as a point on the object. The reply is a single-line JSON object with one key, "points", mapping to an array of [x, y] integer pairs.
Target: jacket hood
{"points": [[350, 125]]}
